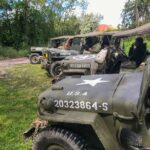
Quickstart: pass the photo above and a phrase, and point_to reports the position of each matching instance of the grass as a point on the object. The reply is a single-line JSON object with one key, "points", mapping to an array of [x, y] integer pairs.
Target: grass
{"points": [[18, 98]]}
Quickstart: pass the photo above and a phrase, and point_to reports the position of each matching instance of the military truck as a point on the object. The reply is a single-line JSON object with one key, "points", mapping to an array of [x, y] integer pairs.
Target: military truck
{"points": [[37, 52]]}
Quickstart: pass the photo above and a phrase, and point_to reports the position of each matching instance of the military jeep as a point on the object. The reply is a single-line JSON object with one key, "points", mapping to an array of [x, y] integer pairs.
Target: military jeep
{"points": [[86, 64], [116, 62], [129, 65], [96, 112], [54, 55], [37, 52]]}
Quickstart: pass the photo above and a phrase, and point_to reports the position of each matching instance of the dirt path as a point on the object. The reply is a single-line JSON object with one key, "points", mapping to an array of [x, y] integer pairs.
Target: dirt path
{"points": [[4, 64], [10, 62]]}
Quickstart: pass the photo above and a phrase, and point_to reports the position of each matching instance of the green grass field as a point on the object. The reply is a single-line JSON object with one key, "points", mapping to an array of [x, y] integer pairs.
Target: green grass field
{"points": [[18, 98]]}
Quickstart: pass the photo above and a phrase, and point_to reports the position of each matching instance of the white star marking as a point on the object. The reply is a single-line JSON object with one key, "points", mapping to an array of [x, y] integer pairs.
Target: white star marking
{"points": [[92, 82], [83, 57]]}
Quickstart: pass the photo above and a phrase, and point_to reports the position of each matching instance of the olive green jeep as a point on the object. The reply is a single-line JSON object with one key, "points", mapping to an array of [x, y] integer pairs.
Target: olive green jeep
{"points": [[37, 52], [86, 63], [116, 61], [52, 56], [96, 112], [138, 33]]}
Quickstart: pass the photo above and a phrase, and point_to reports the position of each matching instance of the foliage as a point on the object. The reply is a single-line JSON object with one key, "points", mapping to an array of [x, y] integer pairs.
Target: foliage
{"points": [[18, 98], [12, 53], [27, 23], [129, 41], [89, 22], [135, 13]]}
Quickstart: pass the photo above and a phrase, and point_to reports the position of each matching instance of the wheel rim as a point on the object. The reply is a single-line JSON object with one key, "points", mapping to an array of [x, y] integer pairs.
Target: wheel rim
{"points": [[55, 147], [57, 70], [35, 59]]}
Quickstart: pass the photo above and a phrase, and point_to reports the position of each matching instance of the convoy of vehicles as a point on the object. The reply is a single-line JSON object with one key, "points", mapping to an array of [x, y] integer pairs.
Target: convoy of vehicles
{"points": [[84, 58], [86, 64], [96, 112]]}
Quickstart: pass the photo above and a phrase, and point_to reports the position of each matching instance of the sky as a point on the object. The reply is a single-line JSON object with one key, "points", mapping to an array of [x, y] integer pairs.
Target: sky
{"points": [[109, 9]]}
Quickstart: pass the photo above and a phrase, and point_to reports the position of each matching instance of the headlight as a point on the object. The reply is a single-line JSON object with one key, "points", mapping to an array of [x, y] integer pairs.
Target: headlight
{"points": [[46, 105], [45, 55]]}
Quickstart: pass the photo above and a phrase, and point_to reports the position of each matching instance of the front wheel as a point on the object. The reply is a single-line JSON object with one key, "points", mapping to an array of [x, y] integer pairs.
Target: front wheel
{"points": [[34, 58], [55, 69], [58, 139]]}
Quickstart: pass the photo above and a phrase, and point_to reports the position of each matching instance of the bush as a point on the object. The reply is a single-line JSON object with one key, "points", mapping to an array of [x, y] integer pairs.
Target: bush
{"points": [[9, 52]]}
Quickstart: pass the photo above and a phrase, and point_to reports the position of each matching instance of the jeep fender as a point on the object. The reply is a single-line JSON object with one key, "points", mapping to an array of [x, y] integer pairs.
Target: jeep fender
{"points": [[108, 140], [145, 85]]}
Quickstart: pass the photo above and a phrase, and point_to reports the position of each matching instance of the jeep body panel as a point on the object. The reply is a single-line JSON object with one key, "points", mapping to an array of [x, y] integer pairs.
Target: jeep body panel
{"points": [[62, 52], [55, 54], [79, 64], [38, 49], [145, 85], [96, 121], [104, 93]]}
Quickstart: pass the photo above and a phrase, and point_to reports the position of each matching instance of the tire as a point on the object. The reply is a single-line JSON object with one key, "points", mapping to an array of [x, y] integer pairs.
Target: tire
{"points": [[55, 69], [58, 139], [34, 58]]}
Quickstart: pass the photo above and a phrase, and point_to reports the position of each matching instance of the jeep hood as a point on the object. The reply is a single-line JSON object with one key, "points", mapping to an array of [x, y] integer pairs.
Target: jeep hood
{"points": [[97, 93], [63, 51], [85, 58]]}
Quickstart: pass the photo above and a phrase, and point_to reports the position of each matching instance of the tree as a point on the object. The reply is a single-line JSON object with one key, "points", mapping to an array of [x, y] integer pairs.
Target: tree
{"points": [[135, 13], [32, 22], [89, 22], [64, 11]]}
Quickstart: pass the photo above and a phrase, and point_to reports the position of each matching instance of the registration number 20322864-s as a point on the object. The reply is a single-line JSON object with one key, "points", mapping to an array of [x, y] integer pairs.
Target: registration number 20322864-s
{"points": [[81, 105]]}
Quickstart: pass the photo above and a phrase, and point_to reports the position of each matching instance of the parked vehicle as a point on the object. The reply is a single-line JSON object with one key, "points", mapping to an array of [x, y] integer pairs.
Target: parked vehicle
{"points": [[131, 65], [87, 64], [95, 112], [109, 111], [52, 56], [37, 52]]}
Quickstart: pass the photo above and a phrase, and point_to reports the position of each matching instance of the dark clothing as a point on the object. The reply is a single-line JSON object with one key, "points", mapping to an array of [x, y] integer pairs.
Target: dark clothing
{"points": [[137, 53]]}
